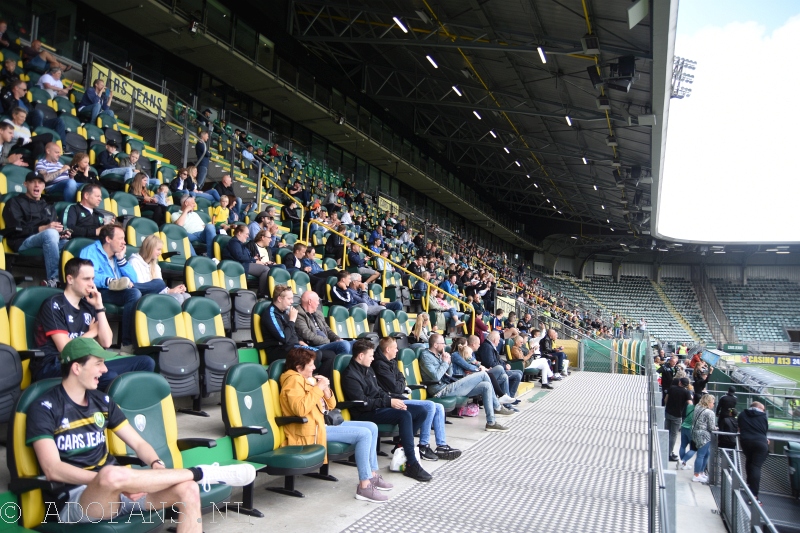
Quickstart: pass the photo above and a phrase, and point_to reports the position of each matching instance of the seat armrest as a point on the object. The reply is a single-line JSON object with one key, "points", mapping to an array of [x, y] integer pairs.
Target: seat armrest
{"points": [[349, 404], [260, 345], [150, 350], [188, 444], [126, 460], [241, 431], [430, 383], [29, 483], [30, 354], [284, 420], [415, 387], [203, 346], [245, 344], [167, 255], [21, 279]]}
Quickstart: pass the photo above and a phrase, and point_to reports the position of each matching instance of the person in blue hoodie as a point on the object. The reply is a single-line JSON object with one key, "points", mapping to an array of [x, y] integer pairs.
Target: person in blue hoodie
{"points": [[116, 280]]}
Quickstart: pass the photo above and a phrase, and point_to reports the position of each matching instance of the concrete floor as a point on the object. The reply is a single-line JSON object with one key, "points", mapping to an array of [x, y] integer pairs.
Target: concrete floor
{"points": [[697, 509]]}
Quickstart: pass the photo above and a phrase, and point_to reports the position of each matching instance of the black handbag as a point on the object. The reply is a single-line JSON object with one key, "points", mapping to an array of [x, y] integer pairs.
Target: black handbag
{"points": [[333, 417]]}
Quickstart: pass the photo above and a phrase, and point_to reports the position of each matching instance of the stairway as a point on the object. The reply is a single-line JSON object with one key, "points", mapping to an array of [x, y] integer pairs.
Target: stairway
{"points": [[675, 313]]}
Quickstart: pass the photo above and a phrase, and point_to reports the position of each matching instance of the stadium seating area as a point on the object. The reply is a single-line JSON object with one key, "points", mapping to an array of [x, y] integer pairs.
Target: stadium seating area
{"points": [[761, 310], [683, 297]]}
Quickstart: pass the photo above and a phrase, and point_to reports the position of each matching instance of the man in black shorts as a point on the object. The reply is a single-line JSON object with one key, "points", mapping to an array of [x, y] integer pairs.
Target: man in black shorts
{"points": [[66, 427], [79, 312]]}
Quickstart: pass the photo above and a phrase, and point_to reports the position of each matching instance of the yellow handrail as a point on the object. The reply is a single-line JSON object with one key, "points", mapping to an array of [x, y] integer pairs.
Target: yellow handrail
{"points": [[298, 202], [345, 239]]}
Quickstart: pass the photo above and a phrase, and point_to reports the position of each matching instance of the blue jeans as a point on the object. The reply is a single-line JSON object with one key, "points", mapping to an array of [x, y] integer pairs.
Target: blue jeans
{"points": [[365, 436], [409, 421], [508, 380], [51, 244], [36, 119], [68, 188], [151, 287], [701, 460], [201, 176], [473, 385], [560, 356], [127, 299], [393, 306], [434, 419], [95, 109], [684, 453], [452, 315], [340, 346], [207, 236]]}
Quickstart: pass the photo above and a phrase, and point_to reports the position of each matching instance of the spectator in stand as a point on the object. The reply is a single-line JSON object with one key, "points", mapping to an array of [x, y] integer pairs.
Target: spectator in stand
{"points": [[726, 403], [145, 263], [354, 259], [685, 452], [729, 424], [318, 276], [331, 200], [255, 266], [294, 262], [259, 248], [274, 151], [107, 161], [292, 161], [194, 225], [667, 372], [696, 358], [359, 293], [96, 101], [347, 217], [678, 397], [6, 144], [313, 329], [224, 187], [498, 324], [31, 223], [701, 375], [530, 361], [83, 172], [508, 379], [203, 153], [753, 430], [299, 193], [38, 58], [116, 279], [391, 380], [247, 153], [291, 215], [147, 202], [51, 82], [305, 395], [183, 183], [14, 96], [9, 72], [280, 335], [82, 219], [360, 384], [554, 354], [77, 312], [437, 369], [437, 302], [702, 427], [6, 39], [259, 223]]}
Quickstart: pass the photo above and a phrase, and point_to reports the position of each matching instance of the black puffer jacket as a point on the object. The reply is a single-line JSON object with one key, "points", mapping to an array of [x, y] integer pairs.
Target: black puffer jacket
{"points": [[388, 374], [23, 217], [753, 425], [360, 384]]}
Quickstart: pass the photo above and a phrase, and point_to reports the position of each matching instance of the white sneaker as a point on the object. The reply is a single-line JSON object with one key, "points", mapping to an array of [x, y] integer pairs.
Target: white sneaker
{"points": [[702, 478], [233, 475], [505, 398], [684, 466]]}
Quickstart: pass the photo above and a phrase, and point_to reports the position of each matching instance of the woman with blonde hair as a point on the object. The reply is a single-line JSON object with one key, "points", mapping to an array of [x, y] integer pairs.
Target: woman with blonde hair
{"points": [[702, 426], [421, 332], [145, 263]]}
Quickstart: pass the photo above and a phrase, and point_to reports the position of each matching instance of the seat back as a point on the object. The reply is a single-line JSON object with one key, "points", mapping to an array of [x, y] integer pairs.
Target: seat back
{"points": [[278, 276], [71, 250], [176, 239], [274, 372], [11, 377], [22, 314], [338, 320], [387, 322], [247, 401], [339, 364], [21, 459], [358, 322], [402, 322], [300, 283], [158, 316], [127, 204], [203, 318], [200, 272], [255, 328], [220, 242], [232, 275], [408, 363], [146, 400], [138, 229]]}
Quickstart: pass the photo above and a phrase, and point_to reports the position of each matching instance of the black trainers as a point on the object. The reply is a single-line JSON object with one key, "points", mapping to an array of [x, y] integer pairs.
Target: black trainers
{"points": [[426, 453], [547, 386], [447, 453], [415, 471]]}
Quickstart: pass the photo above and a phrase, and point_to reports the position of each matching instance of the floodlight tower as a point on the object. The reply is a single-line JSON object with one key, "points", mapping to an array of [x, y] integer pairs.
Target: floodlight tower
{"points": [[680, 78]]}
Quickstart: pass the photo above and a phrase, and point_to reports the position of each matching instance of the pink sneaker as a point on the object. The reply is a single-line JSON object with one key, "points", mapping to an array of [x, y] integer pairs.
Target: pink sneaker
{"points": [[381, 484], [370, 494]]}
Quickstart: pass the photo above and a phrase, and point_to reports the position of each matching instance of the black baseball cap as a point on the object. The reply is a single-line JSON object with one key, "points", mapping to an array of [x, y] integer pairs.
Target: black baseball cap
{"points": [[32, 176]]}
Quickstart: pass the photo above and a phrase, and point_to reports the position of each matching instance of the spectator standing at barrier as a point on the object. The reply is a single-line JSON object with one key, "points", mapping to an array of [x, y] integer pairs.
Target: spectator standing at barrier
{"points": [[203, 154], [753, 429], [702, 373], [702, 427], [678, 397], [685, 452], [667, 372], [726, 403]]}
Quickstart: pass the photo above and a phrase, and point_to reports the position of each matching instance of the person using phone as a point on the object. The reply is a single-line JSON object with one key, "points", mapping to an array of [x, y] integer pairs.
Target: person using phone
{"points": [[77, 312], [96, 101]]}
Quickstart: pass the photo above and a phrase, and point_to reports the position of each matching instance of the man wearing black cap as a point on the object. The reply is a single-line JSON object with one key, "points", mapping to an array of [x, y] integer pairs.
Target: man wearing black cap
{"points": [[66, 427], [260, 222], [31, 223], [108, 159], [726, 403]]}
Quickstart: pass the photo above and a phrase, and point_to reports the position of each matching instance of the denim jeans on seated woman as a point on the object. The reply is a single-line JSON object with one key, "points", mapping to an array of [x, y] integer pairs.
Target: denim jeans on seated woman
{"points": [[365, 436]]}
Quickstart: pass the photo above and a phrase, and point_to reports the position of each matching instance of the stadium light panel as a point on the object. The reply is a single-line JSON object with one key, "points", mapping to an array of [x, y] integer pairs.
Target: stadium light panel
{"points": [[569, 121], [432, 62], [400, 24], [457, 91], [517, 162], [585, 162], [493, 134], [476, 114], [541, 54], [595, 187], [506, 149]]}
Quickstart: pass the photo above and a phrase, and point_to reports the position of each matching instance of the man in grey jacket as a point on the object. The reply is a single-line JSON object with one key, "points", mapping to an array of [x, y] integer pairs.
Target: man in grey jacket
{"points": [[312, 329]]}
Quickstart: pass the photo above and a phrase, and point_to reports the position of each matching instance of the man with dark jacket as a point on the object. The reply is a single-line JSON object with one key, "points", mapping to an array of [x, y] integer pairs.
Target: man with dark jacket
{"points": [[507, 379], [726, 403], [678, 397], [224, 187], [203, 154], [667, 371], [82, 219], [278, 330], [753, 428], [392, 381], [360, 384], [553, 353], [108, 159], [31, 223]]}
